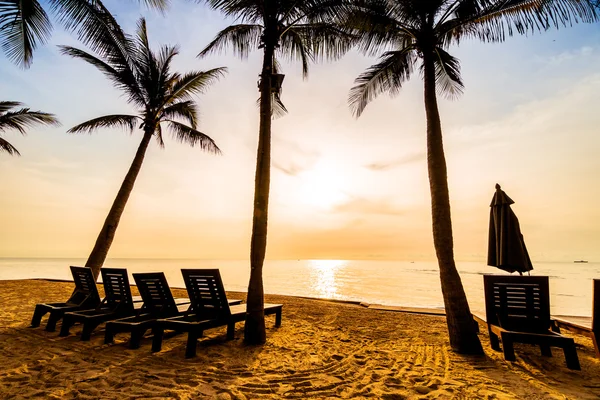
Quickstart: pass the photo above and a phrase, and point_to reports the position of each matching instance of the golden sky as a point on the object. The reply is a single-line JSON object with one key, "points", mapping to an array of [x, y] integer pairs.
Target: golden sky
{"points": [[341, 187]]}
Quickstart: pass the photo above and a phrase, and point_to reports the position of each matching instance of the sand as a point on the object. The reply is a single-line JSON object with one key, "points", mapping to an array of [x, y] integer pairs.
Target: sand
{"points": [[323, 350]]}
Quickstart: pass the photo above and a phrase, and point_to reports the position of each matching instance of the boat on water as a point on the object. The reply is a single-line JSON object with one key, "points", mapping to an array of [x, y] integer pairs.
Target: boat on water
{"points": [[580, 261]]}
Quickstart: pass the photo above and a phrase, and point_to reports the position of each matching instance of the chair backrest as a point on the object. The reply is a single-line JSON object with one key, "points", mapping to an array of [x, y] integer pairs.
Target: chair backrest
{"points": [[517, 303], [155, 292], [86, 292], [116, 289], [596, 306], [207, 294]]}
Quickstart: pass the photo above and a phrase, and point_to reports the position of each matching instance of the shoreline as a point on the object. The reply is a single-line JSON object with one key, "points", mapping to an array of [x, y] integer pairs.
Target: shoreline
{"points": [[323, 350]]}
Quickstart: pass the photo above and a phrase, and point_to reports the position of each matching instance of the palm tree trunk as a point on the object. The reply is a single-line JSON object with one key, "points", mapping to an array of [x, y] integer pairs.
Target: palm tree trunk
{"points": [[461, 326], [107, 234], [254, 328]]}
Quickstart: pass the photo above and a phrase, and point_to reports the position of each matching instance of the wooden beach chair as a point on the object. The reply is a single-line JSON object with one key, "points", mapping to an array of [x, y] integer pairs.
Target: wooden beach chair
{"points": [[518, 311], [117, 303], [84, 297], [584, 325], [209, 309], [158, 302]]}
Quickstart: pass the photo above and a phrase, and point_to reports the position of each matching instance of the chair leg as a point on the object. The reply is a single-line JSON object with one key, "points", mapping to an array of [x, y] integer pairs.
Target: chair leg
{"points": [[38, 313], [52, 320], [66, 325], [231, 331], [507, 346], [136, 338], [109, 335], [157, 338], [494, 342], [571, 356], [88, 328], [192, 342], [546, 351], [278, 319]]}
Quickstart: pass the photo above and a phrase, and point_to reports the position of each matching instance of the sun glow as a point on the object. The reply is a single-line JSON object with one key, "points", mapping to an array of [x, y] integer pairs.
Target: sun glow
{"points": [[321, 186]]}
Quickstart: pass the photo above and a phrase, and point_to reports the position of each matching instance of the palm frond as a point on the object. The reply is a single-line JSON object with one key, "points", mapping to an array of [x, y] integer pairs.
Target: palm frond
{"points": [[242, 38], [278, 109], [394, 68], [494, 20], [375, 27], [124, 79], [9, 148], [159, 136], [325, 40], [23, 25], [185, 134], [447, 74], [192, 83], [295, 47], [248, 10], [21, 119], [95, 26], [7, 105], [160, 5], [183, 109], [127, 122]]}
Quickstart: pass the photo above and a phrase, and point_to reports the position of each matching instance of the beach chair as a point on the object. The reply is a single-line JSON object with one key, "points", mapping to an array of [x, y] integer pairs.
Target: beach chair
{"points": [[84, 297], [158, 302], [117, 303], [209, 309], [584, 325], [518, 311]]}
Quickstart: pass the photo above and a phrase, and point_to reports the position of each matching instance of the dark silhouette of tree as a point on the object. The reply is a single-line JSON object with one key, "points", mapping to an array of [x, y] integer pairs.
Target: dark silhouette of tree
{"points": [[24, 24], [416, 34], [162, 97], [298, 30], [19, 120]]}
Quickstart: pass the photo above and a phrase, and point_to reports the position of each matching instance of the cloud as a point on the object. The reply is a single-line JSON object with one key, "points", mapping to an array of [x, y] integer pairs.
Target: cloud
{"points": [[406, 159]]}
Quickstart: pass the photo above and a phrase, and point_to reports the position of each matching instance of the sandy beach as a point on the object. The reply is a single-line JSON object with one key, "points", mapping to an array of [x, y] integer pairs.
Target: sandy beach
{"points": [[322, 350]]}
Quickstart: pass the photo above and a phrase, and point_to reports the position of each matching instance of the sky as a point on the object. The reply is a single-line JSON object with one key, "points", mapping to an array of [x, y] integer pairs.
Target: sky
{"points": [[341, 188]]}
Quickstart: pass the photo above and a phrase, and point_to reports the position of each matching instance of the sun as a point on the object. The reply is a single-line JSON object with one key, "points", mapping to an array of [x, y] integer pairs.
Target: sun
{"points": [[321, 186]]}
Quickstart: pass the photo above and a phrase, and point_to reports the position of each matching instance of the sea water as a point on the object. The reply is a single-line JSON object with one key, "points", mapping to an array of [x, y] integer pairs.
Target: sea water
{"points": [[401, 283]]}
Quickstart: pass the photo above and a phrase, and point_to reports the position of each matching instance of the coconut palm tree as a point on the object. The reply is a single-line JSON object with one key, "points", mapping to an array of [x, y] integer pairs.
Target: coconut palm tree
{"points": [[24, 24], [417, 34], [20, 120], [163, 98], [298, 30]]}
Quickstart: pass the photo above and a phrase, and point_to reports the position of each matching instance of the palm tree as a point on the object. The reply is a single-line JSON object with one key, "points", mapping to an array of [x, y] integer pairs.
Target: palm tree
{"points": [[24, 24], [298, 30], [162, 97], [413, 31], [20, 120]]}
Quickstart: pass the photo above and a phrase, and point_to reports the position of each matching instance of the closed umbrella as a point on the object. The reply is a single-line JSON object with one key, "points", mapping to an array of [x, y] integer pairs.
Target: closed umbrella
{"points": [[506, 247]]}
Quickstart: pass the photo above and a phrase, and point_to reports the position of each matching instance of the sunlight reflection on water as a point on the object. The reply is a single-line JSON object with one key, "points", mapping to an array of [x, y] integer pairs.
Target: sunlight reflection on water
{"points": [[324, 277]]}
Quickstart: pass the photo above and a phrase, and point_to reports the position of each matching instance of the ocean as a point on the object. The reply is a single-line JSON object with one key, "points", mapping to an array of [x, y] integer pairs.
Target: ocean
{"points": [[400, 283]]}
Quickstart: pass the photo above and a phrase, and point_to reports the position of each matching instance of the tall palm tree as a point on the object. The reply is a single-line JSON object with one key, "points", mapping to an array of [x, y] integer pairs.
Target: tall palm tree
{"points": [[24, 24], [19, 120], [297, 30], [162, 97], [417, 33]]}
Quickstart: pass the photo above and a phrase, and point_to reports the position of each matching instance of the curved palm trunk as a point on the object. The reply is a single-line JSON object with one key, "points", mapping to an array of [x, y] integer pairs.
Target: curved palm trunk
{"points": [[254, 328], [461, 327], [107, 234]]}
